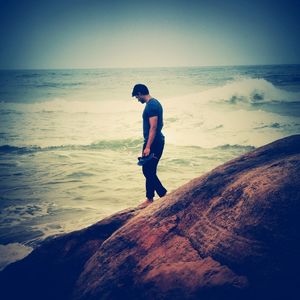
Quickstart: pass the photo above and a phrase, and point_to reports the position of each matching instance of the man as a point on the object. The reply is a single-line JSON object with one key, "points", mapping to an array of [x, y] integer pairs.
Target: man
{"points": [[154, 141]]}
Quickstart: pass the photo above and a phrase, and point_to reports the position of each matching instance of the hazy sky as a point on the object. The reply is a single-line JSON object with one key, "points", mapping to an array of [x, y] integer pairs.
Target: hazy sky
{"points": [[129, 33]]}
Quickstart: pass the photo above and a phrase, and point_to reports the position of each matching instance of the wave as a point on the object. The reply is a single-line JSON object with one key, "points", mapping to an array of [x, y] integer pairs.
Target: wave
{"points": [[255, 91], [18, 150], [287, 78], [125, 144], [29, 75], [42, 73], [58, 84], [114, 145], [245, 90], [241, 90], [235, 147], [276, 125]]}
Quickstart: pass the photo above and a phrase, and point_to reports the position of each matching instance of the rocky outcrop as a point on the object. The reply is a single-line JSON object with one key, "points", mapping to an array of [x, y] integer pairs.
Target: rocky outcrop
{"points": [[232, 233], [51, 271]]}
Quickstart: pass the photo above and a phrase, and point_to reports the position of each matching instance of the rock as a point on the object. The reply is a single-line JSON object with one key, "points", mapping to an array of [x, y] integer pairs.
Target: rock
{"points": [[50, 271], [232, 233]]}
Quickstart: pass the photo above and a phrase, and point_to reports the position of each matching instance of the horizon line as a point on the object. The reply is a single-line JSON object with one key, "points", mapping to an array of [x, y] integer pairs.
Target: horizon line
{"points": [[154, 67]]}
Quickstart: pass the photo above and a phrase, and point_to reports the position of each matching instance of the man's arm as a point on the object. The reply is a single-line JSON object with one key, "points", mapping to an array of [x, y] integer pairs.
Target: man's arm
{"points": [[152, 133]]}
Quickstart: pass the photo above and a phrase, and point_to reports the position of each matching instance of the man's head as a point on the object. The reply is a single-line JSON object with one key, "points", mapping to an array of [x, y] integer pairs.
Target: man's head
{"points": [[140, 92]]}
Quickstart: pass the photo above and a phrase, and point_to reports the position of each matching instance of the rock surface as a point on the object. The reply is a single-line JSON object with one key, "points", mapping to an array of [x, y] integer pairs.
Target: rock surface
{"points": [[232, 233], [51, 271]]}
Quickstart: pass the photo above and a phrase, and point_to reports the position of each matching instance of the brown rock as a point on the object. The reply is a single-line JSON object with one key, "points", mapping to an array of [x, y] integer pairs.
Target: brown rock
{"points": [[51, 270], [230, 234]]}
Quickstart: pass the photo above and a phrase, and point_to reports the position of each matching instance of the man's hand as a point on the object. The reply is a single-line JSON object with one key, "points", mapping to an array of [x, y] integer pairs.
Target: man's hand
{"points": [[146, 151]]}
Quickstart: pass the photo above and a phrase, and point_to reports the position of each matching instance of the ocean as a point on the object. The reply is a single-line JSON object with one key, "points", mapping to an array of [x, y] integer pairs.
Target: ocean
{"points": [[69, 139]]}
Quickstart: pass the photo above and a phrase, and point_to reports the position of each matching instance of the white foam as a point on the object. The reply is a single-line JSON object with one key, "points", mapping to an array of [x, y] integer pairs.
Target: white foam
{"points": [[240, 90], [209, 125], [12, 252], [216, 116]]}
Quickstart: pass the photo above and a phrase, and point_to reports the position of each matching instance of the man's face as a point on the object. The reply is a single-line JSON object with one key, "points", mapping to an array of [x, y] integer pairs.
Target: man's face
{"points": [[140, 98]]}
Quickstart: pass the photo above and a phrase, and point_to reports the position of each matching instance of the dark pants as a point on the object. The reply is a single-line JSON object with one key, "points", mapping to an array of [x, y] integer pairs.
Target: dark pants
{"points": [[149, 170]]}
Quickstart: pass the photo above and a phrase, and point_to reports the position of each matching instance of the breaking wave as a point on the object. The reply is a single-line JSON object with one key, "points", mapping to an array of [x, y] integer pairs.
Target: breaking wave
{"points": [[249, 90]]}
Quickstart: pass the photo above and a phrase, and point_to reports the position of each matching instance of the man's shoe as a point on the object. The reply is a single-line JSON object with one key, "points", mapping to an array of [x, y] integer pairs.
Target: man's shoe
{"points": [[164, 194], [145, 159]]}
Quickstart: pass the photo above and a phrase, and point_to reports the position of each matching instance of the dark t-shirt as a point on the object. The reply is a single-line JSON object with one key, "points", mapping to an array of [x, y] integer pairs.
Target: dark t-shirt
{"points": [[153, 108]]}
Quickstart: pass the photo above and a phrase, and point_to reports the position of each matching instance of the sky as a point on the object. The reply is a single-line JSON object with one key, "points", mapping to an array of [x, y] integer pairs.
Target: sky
{"points": [[41, 34]]}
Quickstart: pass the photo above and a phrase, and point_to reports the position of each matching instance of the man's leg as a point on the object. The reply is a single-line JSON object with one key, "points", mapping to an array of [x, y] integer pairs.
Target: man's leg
{"points": [[151, 170], [149, 173], [158, 151], [159, 188]]}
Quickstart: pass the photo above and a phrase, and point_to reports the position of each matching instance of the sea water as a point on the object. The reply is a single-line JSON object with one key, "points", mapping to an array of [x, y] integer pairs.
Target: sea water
{"points": [[69, 139]]}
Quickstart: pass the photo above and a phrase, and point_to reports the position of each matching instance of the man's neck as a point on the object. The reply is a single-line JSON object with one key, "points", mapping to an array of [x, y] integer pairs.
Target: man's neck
{"points": [[147, 98]]}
